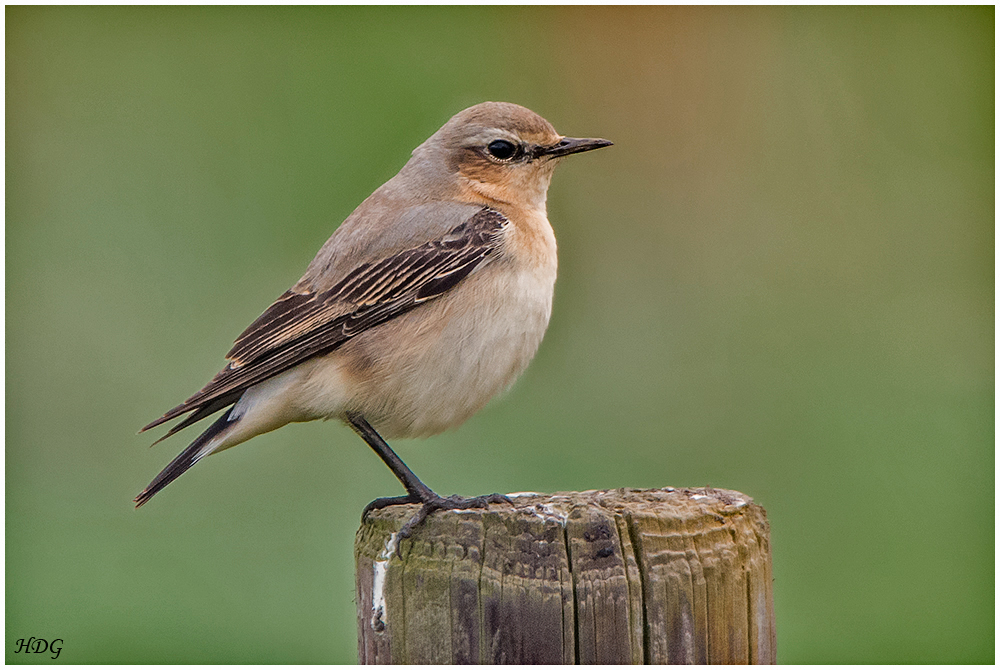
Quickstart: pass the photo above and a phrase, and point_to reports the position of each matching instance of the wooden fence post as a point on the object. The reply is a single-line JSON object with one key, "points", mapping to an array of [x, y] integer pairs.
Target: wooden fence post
{"points": [[621, 576]]}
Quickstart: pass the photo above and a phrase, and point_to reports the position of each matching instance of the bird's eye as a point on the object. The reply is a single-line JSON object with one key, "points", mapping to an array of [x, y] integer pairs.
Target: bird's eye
{"points": [[502, 149]]}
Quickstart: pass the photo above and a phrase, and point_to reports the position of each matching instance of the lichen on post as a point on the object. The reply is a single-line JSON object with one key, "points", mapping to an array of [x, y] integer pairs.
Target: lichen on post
{"points": [[619, 576]]}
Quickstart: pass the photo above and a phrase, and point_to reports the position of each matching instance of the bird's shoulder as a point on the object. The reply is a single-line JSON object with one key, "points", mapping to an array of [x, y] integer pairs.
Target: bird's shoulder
{"points": [[381, 227]]}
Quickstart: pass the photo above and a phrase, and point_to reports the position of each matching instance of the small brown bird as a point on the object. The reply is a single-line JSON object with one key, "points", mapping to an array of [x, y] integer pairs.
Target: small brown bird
{"points": [[430, 298]]}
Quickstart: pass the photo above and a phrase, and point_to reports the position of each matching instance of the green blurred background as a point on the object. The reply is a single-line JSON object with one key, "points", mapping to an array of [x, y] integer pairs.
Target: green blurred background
{"points": [[780, 280]]}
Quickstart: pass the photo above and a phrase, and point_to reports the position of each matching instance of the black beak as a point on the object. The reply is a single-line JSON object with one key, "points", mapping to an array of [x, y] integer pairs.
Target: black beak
{"points": [[574, 145]]}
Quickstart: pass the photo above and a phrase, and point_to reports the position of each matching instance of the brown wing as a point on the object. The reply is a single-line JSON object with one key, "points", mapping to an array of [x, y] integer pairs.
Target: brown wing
{"points": [[299, 326]]}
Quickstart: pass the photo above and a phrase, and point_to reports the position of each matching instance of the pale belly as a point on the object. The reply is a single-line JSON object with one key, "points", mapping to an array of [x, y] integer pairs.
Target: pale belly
{"points": [[431, 369]]}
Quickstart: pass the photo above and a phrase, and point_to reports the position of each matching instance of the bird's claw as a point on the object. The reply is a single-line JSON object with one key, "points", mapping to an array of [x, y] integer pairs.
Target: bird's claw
{"points": [[379, 503], [431, 504]]}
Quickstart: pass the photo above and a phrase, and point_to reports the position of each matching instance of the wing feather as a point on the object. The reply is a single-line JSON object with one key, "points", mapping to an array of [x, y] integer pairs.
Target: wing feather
{"points": [[300, 325]]}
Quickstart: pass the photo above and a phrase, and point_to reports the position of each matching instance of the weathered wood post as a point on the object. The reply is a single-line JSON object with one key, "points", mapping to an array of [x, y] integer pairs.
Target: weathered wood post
{"points": [[622, 576]]}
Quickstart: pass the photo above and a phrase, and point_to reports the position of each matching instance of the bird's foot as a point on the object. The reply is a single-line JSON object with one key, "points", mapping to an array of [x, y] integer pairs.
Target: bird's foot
{"points": [[430, 504], [379, 503]]}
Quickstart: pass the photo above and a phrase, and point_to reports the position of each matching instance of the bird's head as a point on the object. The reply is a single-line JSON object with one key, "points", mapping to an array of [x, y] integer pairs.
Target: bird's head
{"points": [[500, 152]]}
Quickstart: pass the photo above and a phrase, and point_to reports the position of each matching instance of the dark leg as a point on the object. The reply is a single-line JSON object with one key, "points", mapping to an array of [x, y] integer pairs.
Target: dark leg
{"points": [[416, 488], [417, 491]]}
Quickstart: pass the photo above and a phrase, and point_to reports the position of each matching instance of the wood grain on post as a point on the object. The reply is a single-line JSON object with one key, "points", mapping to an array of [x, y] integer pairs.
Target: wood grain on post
{"points": [[621, 576]]}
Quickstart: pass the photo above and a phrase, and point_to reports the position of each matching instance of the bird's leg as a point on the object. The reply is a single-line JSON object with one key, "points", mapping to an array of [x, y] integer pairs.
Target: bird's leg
{"points": [[417, 491]]}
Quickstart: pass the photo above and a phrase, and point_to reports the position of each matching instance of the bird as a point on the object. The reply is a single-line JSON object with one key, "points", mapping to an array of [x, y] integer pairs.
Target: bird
{"points": [[427, 301]]}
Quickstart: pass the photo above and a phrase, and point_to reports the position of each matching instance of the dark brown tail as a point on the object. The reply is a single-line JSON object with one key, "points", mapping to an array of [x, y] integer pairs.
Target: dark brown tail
{"points": [[185, 460]]}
